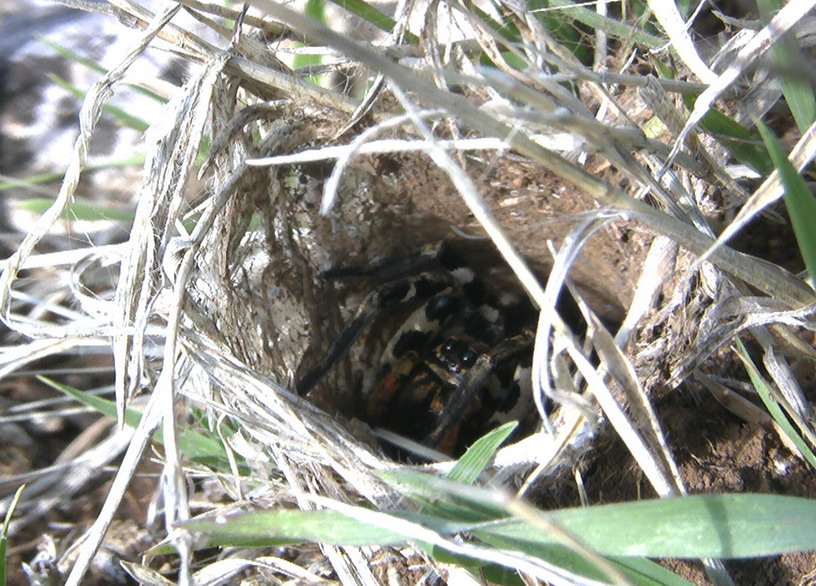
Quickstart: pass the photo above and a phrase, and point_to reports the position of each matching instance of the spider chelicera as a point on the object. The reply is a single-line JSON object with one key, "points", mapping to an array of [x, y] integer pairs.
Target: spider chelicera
{"points": [[456, 367]]}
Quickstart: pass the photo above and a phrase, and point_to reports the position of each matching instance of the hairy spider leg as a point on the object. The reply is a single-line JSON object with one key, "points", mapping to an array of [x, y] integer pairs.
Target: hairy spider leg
{"points": [[445, 434], [391, 269], [388, 295]]}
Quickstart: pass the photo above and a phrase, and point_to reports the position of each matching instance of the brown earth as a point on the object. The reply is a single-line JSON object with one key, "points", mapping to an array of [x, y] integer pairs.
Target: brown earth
{"points": [[717, 451]]}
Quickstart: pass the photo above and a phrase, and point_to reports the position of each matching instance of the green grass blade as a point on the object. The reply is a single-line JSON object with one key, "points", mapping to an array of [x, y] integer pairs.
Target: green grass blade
{"points": [[123, 117], [643, 571], [315, 9], [743, 144], [789, 65], [718, 526], [610, 26], [132, 161], [79, 210], [4, 535], [455, 500], [560, 25], [288, 527], [773, 407], [196, 446], [639, 571], [370, 14], [798, 199], [466, 471], [494, 574], [479, 455], [707, 526], [70, 55], [721, 526]]}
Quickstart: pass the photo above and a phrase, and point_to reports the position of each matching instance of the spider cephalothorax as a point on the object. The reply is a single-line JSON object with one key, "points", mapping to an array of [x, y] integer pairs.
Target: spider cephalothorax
{"points": [[455, 367]]}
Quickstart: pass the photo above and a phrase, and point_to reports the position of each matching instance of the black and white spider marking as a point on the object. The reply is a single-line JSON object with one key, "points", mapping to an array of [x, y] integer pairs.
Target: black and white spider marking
{"points": [[456, 367]]}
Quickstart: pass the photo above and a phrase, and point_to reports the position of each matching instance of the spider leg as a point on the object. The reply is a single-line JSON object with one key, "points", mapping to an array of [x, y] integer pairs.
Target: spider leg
{"points": [[388, 295], [391, 269], [449, 418]]}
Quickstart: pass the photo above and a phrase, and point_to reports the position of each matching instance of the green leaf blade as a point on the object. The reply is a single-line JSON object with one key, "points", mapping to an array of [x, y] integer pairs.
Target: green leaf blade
{"points": [[798, 199], [708, 526]]}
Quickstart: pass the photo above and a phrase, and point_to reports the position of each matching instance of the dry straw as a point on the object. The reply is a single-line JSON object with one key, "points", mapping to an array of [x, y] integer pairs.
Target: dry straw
{"points": [[220, 317]]}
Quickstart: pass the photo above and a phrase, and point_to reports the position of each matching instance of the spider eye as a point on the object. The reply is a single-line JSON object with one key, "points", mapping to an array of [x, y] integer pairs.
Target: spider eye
{"points": [[468, 358]]}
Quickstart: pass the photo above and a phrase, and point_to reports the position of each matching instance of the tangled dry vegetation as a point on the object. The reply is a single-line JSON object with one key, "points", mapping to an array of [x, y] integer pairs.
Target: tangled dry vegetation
{"points": [[583, 171]]}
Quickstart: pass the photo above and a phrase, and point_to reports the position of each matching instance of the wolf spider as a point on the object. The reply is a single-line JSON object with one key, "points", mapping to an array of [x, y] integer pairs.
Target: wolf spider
{"points": [[457, 366]]}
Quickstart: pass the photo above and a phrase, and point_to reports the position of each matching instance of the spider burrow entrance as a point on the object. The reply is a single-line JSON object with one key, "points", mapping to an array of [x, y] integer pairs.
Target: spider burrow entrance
{"points": [[458, 363]]}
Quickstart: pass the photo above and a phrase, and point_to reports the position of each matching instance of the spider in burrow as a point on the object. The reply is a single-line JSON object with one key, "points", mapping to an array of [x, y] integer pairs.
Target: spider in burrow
{"points": [[458, 365]]}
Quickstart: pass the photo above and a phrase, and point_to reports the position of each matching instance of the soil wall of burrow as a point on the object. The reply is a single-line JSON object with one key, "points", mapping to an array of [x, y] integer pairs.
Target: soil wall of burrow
{"points": [[260, 286]]}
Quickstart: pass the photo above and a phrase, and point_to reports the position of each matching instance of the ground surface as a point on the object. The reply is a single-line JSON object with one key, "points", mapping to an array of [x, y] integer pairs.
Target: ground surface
{"points": [[717, 452]]}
